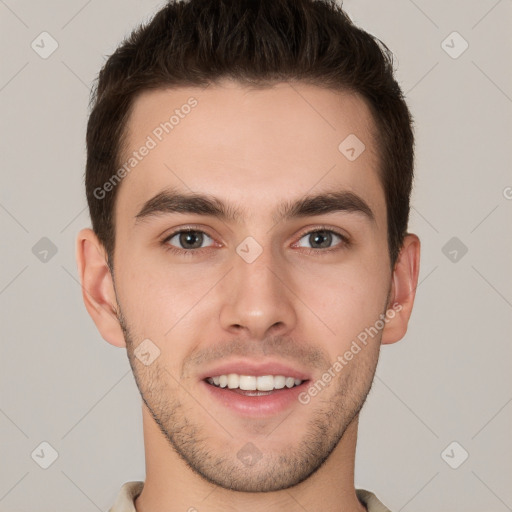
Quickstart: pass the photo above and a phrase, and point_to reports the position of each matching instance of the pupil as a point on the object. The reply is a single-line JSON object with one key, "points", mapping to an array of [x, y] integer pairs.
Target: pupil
{"points": [[187, 239], [318, 236]]}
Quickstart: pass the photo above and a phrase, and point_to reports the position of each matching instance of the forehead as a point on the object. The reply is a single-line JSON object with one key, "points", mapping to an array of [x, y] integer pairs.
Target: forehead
{"points": [[252, 147]]}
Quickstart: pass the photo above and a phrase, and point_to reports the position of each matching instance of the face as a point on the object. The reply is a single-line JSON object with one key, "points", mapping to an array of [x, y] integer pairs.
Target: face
{"points": [[228, 262]]}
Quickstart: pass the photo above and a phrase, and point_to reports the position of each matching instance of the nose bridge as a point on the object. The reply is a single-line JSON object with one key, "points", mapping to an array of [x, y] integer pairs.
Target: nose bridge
{"points": [[257, 298]]}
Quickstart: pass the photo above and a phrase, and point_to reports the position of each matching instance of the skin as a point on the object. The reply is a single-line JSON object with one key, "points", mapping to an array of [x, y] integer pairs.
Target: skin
{"points": [[296, 303]]}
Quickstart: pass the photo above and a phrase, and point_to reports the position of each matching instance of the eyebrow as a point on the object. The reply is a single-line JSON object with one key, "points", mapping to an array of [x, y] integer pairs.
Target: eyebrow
{"points": [[172, 201]]}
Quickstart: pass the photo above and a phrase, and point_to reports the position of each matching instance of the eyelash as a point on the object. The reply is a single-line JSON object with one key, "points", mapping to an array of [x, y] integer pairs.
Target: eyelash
{"points": [[345, 242]]}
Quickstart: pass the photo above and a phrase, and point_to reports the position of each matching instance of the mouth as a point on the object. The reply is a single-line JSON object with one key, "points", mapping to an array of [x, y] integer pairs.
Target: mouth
{"points": [[253, 385], [255, 396]]}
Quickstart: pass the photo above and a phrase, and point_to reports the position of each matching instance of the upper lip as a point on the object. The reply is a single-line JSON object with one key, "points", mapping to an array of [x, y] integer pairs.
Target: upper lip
{"points": [[246, 367]]}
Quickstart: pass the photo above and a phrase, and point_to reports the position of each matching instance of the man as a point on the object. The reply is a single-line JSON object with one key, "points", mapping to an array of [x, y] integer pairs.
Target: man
{"points": [[249, 167]]}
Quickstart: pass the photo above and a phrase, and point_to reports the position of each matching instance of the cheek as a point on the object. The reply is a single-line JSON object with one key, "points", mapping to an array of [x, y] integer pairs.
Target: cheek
{"points": [[160, 300], [347, 299]]}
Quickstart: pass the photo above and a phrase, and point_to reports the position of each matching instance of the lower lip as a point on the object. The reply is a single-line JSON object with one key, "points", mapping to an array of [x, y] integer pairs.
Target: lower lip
{"points": [[256, 406]]}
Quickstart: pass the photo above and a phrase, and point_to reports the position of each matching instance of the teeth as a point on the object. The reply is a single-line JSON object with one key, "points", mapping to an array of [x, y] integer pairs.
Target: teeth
{"points": [[265, 383], [253, 383], [233, 381], [248, 382], [279, 382]]}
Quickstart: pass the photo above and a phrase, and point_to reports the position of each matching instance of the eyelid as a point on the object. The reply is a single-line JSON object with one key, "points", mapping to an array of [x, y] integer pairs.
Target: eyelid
{"points": [[188, 227], [331, 229]]}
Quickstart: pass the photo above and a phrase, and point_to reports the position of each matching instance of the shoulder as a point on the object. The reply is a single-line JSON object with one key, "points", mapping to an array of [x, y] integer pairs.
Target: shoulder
{"points": [[126, 497], [370, 501]]}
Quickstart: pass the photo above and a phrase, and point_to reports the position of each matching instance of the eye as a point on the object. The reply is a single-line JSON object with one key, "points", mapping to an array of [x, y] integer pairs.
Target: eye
{"points": [[322, 239], [186, 239]]}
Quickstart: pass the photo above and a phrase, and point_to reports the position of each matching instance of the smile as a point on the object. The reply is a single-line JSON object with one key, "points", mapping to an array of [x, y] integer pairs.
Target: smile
{"points": [[252, 396], [253, 382]]}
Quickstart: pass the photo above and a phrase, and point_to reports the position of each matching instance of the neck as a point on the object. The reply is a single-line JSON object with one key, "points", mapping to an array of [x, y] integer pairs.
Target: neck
{"points": [[171, 485]]}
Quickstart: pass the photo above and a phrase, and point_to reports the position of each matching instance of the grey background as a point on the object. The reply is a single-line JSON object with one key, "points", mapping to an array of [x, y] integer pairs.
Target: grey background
{"points": [[448, 380]]}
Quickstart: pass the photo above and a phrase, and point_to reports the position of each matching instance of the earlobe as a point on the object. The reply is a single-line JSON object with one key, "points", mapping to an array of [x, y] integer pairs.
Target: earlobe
{"points": [[97, 286], [403, 290]]}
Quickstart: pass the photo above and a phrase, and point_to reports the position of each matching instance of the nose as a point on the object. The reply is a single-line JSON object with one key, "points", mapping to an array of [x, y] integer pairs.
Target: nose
{"points": [[258, 298]]}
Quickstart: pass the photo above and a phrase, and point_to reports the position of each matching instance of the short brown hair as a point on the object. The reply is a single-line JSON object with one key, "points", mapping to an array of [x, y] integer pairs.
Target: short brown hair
{"points": [[258, 43]]}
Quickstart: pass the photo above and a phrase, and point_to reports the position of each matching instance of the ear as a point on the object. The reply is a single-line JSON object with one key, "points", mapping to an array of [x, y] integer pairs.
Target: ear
{"points": [[403, 290], [97, 286]]}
